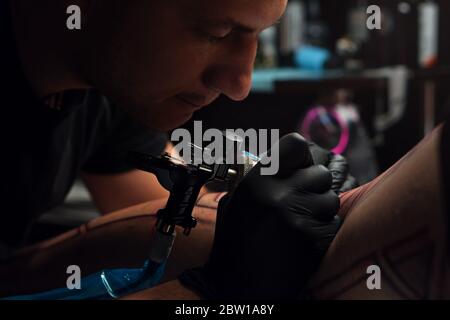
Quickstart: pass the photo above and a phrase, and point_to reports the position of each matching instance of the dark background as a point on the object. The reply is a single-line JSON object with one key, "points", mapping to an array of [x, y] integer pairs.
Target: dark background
{"points": [[284, 108]]}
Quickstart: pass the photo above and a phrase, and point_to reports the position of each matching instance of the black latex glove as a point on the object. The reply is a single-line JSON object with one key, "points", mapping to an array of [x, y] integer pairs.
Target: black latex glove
{"points": [[338, 166], [272, 232]]}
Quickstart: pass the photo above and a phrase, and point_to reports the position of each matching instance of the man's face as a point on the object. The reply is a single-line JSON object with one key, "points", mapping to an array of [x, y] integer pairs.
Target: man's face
{"points": [[164, 59]]}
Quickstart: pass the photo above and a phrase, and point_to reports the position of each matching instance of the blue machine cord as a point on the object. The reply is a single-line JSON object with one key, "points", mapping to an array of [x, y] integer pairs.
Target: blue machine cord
{"points": [[106, 285], [116, 283]]}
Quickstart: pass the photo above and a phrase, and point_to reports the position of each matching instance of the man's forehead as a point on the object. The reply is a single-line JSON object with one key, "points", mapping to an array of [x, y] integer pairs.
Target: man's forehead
{"points": [[247, 14]]}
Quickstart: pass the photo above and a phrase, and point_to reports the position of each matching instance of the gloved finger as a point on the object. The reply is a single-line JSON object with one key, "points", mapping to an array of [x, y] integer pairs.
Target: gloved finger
{"points": [[319, 154], [315, 179], [338, 167], [349, 184], [222, 206], [324, 234], [293, 153], [326, 206], [321, 207]]}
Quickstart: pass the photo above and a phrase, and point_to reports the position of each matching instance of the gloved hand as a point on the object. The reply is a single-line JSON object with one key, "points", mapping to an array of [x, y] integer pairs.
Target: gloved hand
{"points": [[272, 231], [338, 166]]}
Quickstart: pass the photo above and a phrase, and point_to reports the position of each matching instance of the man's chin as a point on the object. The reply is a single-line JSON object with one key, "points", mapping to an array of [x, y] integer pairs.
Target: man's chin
{"points": [[164, 116], [167, 123]]}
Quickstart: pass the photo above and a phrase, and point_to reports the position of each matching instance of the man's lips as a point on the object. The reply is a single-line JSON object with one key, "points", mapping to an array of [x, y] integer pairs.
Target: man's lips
{"points": [[194, 105], [194, 102]]}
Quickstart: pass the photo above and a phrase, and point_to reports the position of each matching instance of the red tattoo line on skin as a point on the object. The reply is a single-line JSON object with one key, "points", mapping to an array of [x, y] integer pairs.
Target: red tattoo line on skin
{"points": [[387, 260]]}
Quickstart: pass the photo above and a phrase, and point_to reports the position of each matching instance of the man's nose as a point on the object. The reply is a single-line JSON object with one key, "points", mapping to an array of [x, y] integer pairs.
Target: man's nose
{"points": [[232, 74]]}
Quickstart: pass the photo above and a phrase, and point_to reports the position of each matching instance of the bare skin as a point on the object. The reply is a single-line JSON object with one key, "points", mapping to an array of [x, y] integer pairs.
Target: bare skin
{"points": [[201, 59], [390, 222], [120, 239], [397, 222], [161, 60]]}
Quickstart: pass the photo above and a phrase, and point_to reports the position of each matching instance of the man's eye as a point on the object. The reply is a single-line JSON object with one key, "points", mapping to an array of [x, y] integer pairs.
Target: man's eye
{"points": [[211, 35], [215, 39], [215, 36]]}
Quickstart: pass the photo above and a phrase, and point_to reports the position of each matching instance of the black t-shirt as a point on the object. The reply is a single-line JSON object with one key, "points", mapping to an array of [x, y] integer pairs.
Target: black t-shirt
{"points": [[44, 149]]}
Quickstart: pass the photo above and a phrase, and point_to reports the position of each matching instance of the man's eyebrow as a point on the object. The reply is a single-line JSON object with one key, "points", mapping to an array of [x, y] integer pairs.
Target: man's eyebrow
{"points": [[231, 23]]}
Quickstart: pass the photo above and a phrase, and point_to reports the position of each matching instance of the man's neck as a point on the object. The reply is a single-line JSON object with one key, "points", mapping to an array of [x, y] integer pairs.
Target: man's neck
{"points": [[47, 49]]}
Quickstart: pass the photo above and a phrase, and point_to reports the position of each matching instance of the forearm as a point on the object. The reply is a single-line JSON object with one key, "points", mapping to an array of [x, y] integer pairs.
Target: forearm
{"points": [[172, 290], [391, 222], [118, 240], [398, 223]]}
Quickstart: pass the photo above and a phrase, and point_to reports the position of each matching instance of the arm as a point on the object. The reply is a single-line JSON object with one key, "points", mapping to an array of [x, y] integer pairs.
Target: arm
{"points": [[172, 290], [398, 216], [113, 192], [117, 240], [398, 223]]}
